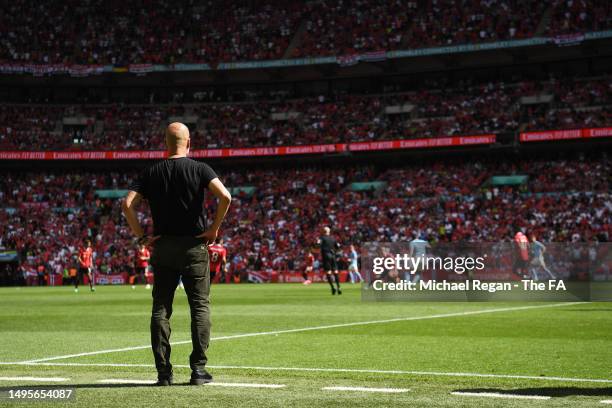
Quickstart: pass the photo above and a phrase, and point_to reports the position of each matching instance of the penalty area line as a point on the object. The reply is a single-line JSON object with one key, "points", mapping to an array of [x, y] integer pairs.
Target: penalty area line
{"points": [[38, 379], [211, 384], [125, 381], [332, 370], [312, 328], [500, 395], [366, 389]]}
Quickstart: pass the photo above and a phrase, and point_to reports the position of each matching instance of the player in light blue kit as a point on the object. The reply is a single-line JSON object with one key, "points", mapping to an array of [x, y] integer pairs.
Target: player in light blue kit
{"points": [[537, 251], [354, 265], [418, 248]]}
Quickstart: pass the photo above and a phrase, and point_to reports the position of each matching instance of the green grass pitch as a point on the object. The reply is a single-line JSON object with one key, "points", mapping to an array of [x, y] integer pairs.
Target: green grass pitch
{"points": [[433, 349]]}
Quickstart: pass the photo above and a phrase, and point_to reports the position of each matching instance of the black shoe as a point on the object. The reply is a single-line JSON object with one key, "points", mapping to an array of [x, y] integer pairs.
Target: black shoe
{"points": [[339, 291], [164, 380], [333, 291], [200, 377]]}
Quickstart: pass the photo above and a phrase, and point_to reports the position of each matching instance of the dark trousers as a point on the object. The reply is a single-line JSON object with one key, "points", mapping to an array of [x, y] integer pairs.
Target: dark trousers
{"points": [[174, 258]]}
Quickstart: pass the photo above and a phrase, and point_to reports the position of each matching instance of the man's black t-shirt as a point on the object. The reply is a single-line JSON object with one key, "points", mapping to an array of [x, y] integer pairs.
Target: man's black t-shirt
{"points": [[328, 246], [175, 189]]}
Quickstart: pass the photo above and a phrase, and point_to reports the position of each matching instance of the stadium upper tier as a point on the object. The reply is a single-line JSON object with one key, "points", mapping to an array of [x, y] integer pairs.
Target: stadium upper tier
{"points": [[168, 32], [483, 108], [279, 214]]}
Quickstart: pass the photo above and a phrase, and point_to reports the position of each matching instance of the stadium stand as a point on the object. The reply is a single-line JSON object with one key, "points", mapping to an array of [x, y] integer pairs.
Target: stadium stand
{"points": [[472, 108], [158, 31], [571, 17], [45, 215], [165, 32]]}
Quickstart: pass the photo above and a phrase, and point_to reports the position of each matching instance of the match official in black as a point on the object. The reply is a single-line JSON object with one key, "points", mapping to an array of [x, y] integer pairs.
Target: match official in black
{"points": [[329, 247], [175, 189]]}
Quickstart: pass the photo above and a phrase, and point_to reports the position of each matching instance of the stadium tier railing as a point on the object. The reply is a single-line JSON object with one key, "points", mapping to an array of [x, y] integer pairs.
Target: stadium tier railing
{"points": [[383, 145], [256, 151], [565, 134]]}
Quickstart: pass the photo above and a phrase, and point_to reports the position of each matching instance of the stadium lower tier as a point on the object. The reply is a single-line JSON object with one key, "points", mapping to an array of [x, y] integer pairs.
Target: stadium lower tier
{"points": [[277, 214]]}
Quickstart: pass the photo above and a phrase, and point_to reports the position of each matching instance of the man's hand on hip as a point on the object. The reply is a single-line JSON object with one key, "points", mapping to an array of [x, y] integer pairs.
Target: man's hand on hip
{"points": [[148, 240], [208, 236]]}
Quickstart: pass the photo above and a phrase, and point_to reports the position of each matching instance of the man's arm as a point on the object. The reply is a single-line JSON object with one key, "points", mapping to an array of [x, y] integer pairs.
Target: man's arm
{"points": [[129, 210], [225, 198]]}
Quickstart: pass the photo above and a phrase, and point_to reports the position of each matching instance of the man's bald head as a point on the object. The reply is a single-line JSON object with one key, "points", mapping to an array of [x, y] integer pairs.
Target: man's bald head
{"points": [[177, 137]]}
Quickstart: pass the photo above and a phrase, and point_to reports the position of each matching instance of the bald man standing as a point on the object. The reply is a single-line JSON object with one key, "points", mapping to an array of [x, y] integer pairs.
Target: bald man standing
{"points": [[175, 189]]}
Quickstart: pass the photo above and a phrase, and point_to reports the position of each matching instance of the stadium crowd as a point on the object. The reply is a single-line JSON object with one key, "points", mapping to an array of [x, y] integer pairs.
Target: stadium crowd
{"points": [[579, 16], [46, 216], [338, 28], [96, 32], [468, 108], [159, 31]]}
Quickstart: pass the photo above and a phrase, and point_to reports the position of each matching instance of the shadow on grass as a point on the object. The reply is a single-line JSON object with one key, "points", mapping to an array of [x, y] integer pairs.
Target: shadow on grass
{"points": [[548, 391]]}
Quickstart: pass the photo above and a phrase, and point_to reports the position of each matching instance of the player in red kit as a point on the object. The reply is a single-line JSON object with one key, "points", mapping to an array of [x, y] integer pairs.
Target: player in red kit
{"points": [[142, 263], [308, 269], [218, 258], [521, 255], [85, 259]]}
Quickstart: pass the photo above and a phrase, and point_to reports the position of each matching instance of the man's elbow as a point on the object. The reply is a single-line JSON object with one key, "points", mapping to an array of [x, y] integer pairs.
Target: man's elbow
{"points": [[125, 206], [226, 197]]}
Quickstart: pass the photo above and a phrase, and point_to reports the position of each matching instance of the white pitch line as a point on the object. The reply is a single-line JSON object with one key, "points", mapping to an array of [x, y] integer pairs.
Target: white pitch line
{"points": [[606, 402], [125, 381], [500, 395], [366, 389], [245, 385], [25, 363], [92, 353], [304, 329], [41, 379], [329, 370], [218, 384], [408, 372]]}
